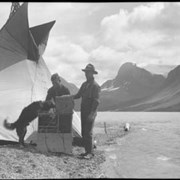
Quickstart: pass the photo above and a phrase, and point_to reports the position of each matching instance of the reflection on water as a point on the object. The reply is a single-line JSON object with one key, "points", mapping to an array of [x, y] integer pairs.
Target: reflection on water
{"points": [[152, 147]]}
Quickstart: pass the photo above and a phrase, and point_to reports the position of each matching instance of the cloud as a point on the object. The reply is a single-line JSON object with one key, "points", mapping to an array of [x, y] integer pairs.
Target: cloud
{"points": [[45, 12], [107, 35], [66, 58], [4, 12], [88, 42], [130, 29], [141, 36], [108, 60], [146, 13], [147, 28], [65, 50]]}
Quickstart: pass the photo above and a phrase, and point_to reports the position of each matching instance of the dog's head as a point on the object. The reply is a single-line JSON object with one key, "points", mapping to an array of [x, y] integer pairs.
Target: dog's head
{"points": [[47, 105]]}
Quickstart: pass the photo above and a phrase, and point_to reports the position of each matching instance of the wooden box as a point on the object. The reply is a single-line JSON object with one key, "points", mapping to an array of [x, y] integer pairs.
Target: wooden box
{"points": [[64, 104]]}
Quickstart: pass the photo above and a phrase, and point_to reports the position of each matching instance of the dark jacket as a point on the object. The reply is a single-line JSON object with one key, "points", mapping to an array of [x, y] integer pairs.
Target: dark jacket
{"points": [[57, 91], [89, 92]]}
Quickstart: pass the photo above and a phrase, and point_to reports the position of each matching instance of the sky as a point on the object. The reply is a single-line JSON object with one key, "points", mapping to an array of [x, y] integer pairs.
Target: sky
{"points": [[106, 35]]}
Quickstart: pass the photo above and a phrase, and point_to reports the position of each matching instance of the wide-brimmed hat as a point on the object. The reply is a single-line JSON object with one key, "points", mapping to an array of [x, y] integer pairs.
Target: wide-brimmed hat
{"points": [[90, 67]]}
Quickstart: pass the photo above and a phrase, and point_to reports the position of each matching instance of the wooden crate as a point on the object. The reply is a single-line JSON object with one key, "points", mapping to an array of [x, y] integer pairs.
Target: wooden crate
{"points": [[54, 142], [58, 124], [47, 124], [64, 104], [54, 134]]}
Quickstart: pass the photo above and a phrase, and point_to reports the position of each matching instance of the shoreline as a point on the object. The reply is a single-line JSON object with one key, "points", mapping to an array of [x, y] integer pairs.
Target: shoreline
{"points": [[106, 143], [28, 163]]}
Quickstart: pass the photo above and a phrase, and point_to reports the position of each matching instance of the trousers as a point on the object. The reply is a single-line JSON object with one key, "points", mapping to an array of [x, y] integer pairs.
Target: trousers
{"points": [[87, 131]]}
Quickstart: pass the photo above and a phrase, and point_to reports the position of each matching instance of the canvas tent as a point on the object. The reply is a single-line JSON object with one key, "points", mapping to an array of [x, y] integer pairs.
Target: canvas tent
{"points": [[24, 76]]}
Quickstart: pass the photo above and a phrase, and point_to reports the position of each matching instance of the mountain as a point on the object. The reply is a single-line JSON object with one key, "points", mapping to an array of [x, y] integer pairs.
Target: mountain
{"points": [[137, 89], [163, 69], [166, 99], [173, 77], [130, 86]]}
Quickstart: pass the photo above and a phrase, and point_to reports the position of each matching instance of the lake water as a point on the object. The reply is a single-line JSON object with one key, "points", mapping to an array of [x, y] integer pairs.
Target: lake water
{"points": [[151, 149]]}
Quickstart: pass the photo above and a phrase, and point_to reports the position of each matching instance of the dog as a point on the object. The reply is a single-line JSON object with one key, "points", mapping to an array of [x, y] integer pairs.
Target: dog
{"points": [[28, 114]]}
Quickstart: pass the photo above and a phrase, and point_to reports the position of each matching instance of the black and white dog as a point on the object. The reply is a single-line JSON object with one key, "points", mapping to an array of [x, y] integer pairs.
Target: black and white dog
{"points": [[27, 115]]}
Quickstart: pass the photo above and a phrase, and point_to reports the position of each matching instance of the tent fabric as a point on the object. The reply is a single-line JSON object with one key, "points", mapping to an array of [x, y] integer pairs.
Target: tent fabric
{"points": [[22, 35], [18, 26], [11, 51], [38, 36], [41, 32], [33, 53], [22, 80], [16, 40]]}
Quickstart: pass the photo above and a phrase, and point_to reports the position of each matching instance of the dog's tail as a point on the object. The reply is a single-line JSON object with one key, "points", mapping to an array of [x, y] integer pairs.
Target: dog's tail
{"points": [[7, 125]]}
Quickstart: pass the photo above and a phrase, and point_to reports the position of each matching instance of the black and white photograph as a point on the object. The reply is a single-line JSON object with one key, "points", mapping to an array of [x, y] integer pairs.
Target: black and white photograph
{"points": [[89, 90]]}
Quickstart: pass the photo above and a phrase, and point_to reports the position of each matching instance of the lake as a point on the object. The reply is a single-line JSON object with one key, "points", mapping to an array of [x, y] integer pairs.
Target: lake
{"points": [[151, 149]]}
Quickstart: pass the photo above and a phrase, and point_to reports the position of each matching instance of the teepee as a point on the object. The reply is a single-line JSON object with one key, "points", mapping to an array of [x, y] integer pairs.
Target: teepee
{"points": [[24, 76]]}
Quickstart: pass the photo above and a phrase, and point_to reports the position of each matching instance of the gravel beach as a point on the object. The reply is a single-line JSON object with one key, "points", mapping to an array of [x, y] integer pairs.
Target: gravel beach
{"points": [[28, 163]]}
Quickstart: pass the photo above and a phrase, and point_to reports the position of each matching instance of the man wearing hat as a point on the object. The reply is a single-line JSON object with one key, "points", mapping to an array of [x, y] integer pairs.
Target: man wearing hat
{"points": [[89, 92]]}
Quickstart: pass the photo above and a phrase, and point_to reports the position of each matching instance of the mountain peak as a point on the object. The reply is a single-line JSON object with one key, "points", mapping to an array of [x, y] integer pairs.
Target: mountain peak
{"points": [[131, 77], [173, 76], [126, 67]]}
